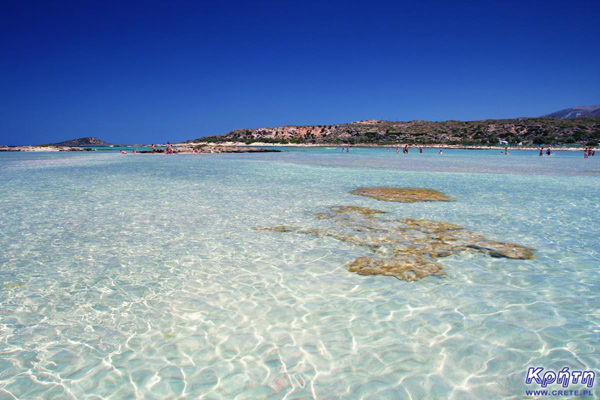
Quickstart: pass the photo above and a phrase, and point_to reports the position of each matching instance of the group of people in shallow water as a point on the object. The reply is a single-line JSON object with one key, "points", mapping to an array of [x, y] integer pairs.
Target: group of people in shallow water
{"points": [[589, 152], [167, 150], [405, 149], [548, 151]]}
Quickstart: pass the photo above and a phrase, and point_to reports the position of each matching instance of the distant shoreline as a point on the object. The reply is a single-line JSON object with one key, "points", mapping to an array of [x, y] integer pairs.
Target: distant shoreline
{"points": [[41, 148], [425, 146], [184, 147]]}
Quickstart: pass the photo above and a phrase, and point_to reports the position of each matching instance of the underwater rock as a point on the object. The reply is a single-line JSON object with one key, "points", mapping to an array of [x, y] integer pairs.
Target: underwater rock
{"points": [[407, 270], [361, 210], [404, 195], [13, 285], [364, 211], [282, 228], [403, 248]]}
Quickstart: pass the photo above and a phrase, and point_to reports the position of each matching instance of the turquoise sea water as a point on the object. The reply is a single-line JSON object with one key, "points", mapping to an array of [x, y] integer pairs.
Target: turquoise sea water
{"points": [[125, 276]]}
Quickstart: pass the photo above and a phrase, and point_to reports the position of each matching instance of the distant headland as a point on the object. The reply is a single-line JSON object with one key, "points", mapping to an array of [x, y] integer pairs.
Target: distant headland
{"points": [[579, 126], [86, 141], [519, 131], [69, 145]]}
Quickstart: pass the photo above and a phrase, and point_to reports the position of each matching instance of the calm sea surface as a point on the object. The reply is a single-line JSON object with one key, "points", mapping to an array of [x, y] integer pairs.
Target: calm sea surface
{"points": [[125, 276]]}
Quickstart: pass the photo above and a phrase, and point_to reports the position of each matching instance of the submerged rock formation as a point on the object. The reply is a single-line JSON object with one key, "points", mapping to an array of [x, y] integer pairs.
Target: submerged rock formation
{"points": [[406, 249], [404, 195]]}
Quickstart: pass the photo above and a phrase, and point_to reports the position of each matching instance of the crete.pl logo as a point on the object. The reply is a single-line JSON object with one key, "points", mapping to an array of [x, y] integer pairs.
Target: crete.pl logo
{"points": [[564, 378]]}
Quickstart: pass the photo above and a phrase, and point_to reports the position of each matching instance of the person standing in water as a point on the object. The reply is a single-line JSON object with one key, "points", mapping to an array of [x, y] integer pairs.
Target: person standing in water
{"points": [[541, 151], [506, 151], [421, 149], [548, 151]]}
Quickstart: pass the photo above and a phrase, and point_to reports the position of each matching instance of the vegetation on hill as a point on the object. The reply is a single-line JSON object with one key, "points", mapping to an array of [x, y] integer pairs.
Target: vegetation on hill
{"points": [[528, 131]]}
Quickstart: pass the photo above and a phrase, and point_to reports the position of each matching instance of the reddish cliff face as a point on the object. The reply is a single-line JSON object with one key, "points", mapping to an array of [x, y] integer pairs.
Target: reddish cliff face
{"points": [[317, 132]]}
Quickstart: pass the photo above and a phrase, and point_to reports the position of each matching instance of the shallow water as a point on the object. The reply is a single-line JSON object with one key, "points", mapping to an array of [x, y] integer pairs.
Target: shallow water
{"points": [[141, 276]]}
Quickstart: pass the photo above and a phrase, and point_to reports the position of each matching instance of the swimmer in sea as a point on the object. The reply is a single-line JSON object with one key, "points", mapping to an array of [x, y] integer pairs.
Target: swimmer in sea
{"points": [[441, 151], [421, 149], [506, 151], [541, 151]]}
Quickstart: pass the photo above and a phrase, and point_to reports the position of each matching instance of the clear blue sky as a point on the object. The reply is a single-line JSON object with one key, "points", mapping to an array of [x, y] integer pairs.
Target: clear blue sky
{"points": [[146, 71]]}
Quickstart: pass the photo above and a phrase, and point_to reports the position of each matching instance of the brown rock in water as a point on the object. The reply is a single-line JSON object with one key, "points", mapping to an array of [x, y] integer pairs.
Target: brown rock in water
{"points": [[407, 270], [281, 228], [361, 210], [404, 195], [403, 248], [365, 212]]}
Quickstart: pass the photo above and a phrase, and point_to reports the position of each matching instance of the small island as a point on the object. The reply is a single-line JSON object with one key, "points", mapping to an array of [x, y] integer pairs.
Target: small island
{"points": [[81, 142], [68, 145]]}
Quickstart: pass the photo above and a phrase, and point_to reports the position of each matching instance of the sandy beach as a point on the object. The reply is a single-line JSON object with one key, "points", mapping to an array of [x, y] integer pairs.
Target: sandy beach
{"points": [[426, 146]]}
